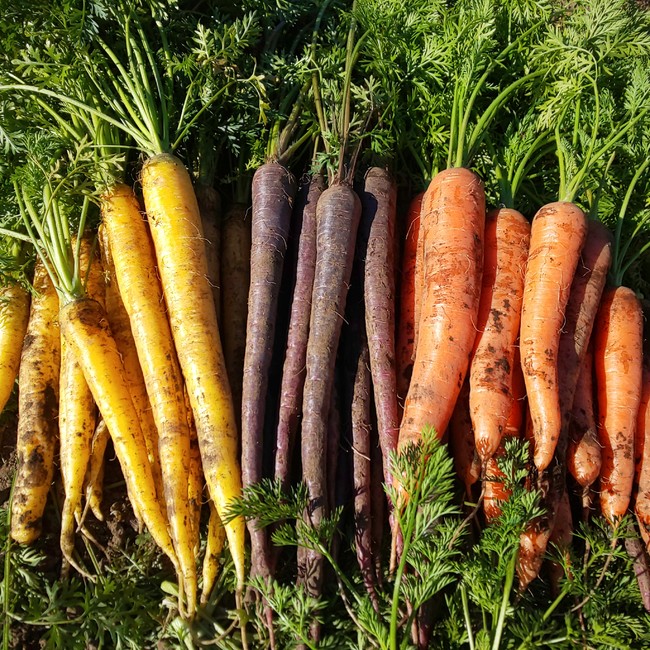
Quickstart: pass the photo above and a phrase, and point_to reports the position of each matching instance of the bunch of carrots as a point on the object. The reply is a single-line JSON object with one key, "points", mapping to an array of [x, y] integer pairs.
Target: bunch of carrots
{"points": [[313, 334]]}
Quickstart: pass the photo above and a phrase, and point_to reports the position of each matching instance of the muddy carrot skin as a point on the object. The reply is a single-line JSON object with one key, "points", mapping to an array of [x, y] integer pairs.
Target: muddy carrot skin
{"points": [[507, 239], [235, 282], [584, 453], [273, 191], [452, 225], [94, 481], [584, 298], [405, 347], [558, 233], [618, 354], [177, 234], [561, 537], [642, 455], [461, 442], [293, 371], [379, 207], [37, 437], [494, 491], [77, 415], [120, 325], [337, 216]]}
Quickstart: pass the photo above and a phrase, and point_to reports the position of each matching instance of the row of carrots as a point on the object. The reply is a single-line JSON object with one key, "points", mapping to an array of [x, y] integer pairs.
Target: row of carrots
{"points": [[494, 312], [112, 339], [497, 313]]}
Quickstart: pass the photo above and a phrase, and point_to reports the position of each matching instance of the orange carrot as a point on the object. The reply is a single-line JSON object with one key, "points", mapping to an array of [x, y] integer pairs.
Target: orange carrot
{"points": [[494, 490], [584, 299], [453, 218], [405, 348], [461, 442], [618, 358], [507, 237], [561, 537], [642, 455], [584, 456], [557, 236]]}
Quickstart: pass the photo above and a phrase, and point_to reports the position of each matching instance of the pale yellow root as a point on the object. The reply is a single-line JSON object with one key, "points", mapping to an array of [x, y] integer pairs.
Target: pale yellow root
{"points": [[77, 416], [14, 316], [135, 269], [94, 484], [118, 320], [178, 239], [38, 398], [85, 329], [214, 547]]}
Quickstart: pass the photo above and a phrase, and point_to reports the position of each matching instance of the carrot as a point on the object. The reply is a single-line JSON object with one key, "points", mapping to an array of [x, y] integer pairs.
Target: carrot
{"points": [[85, 330], [558, 233], [235, 283], [532, 547], [135, 270], [293, 371], [618, 358], [452, 224], [176, 230], [584, 298], [77, 415], [194, 484], [405, 347], [14, 316], [209, 203], [37, 436], [507, 238], [642, 457], [361, 425], [462, 442], [494, 490], [213, 547], [641, 451], [584, 454], [93, 484], [120, 326], [377, 230], [273, 191], [337, 216], [561, 537]]}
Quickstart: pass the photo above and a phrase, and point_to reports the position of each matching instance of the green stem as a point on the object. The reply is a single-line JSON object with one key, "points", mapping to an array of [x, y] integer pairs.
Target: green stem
{"points": [[489, 114], [574, 185], [510, 577], [467, 616]]}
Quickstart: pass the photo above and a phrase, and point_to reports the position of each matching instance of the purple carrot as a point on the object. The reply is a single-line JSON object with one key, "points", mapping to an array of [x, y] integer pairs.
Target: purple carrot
{"points": [[379, 200], [337, 217], [379, 504], [361, 458], [210, 209], [235, 262], [293, 372], [273, 192]]}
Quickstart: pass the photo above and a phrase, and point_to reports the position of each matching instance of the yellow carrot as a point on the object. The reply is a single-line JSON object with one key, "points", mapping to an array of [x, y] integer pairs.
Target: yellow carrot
{"points": [[135, 269], [14, 316], [178, 239], [77, 415], [38, 399], [118, 320], [93, 485], [85, 330]]}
